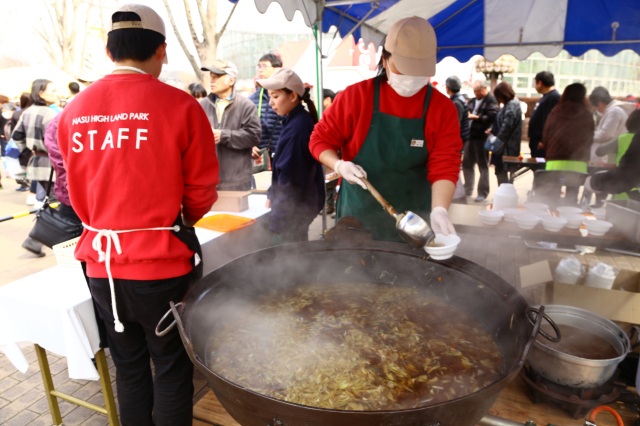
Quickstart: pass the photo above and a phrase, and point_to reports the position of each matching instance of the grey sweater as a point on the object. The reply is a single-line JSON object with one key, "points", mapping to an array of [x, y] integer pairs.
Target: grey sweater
{"points": [[240, 127]]}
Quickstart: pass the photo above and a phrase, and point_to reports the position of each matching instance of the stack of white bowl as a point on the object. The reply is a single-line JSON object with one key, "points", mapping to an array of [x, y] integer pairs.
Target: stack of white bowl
{"points": [[505, 197], [491, 217], [526, 220], [601, 275], [598, 228], [553, 223], [574, 216]]}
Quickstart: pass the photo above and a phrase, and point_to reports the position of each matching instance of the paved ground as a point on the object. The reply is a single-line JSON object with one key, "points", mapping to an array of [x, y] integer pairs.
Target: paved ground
{"points": [[22, 399]]}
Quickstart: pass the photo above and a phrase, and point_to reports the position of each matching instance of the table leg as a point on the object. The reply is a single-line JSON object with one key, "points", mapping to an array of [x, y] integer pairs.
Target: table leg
{"points": [[47, 380], [107, 391], [52, 394]]}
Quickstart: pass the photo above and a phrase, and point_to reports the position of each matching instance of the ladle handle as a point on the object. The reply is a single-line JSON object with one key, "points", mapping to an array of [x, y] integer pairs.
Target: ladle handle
{"points": [[388, 207]]}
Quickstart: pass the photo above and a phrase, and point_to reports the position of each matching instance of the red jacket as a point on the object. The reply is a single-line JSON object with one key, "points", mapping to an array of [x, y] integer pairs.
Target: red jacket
{"points": [[346, 123], [137, 152]]}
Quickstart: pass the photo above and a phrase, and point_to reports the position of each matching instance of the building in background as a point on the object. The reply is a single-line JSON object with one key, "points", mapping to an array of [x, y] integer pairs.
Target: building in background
{"points": [[620, 73]]}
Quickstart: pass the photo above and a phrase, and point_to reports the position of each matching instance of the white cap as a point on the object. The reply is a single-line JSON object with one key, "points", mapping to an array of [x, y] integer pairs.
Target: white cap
{"points": [[149, 20]]}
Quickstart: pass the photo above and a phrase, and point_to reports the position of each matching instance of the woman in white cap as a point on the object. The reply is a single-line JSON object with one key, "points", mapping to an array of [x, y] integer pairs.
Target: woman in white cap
{"points": [[296, 194], [396, 131]]}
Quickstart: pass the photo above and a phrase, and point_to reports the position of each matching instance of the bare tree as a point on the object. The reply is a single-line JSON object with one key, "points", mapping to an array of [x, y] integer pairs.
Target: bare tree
{"points": [[206, 43], [59, 30]]}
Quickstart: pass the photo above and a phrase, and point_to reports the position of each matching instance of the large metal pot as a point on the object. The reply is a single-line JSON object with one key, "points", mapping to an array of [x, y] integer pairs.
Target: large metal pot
{"points": [[557, 364], [493, 303]]}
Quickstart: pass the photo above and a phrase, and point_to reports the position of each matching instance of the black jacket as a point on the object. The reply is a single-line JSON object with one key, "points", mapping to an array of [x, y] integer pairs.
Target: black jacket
{"points": [[540, 113], [487, 112], [624, 177], [463, 116]]}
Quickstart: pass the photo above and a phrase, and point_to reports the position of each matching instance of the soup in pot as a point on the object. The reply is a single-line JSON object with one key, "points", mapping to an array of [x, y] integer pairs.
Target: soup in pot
{"points": [[353, 346]]}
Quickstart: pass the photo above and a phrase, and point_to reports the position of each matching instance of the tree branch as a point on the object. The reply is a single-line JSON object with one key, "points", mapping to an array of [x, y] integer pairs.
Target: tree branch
{"points": [[183, 45]]}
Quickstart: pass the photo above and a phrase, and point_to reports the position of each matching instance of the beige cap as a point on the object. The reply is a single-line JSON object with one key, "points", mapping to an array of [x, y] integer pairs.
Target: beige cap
{"points": [[412, 44], [222, 67], [284, 78], [149, 20]]}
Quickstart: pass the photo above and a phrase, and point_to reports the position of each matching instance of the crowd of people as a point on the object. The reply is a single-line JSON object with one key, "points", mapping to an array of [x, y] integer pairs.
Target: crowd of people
{"points": [[570, 131], [394, 132]]}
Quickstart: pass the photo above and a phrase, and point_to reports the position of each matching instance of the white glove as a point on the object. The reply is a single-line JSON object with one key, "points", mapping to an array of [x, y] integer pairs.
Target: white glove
{"points": [[587, 185], [351, 172], [440, 222]]}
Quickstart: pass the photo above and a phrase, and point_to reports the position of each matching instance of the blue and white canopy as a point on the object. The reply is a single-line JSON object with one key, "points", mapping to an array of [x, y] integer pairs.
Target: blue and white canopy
{"points": [[485, 27]]}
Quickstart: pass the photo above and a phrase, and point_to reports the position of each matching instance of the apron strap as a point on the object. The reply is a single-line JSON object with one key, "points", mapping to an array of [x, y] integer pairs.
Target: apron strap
{"points": [[427, 100], [111, 238], [376, 93]]}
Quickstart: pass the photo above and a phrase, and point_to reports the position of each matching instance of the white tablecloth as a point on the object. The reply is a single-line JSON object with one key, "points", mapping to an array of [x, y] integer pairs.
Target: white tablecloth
{"points": [[53, 307]]}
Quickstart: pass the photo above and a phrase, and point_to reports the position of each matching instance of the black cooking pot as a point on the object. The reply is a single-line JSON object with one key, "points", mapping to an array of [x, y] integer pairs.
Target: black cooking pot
{"points": [[490, 300]]}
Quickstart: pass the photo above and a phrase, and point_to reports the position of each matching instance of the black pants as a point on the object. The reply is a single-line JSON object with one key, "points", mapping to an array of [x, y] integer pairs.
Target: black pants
{"points": [[146, 399], [535, 151], [475, 154]]}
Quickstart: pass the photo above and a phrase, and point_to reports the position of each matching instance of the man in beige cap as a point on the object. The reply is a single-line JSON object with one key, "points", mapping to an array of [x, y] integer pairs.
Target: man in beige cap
{"points": [[396, 131], [139, 181], [235, 124]]}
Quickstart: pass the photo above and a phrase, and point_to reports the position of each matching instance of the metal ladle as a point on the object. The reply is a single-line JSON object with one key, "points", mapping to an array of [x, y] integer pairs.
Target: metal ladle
{"points": [[411, 227]]}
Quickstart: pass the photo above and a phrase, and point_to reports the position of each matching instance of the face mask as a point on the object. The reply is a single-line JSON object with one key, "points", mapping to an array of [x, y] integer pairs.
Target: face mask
{"points": [[7, 114], [407, 85]]}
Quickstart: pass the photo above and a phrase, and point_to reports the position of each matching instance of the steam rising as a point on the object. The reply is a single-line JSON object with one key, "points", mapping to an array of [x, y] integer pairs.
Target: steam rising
{"points": [[320, 354]]}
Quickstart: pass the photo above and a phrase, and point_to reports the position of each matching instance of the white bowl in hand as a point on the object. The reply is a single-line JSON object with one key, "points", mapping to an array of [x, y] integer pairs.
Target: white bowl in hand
{"points": [[526, 220], [443, 246], [574, 221], [597, 228], [491, 217], [554, 224]]}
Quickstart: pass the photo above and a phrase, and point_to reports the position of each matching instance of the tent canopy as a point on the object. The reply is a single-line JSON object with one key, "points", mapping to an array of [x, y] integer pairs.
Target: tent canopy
{"points": [[490, 28]]}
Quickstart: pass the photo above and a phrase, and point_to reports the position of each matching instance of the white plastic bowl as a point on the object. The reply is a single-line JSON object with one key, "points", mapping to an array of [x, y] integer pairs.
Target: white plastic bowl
{"points": [[526, 220], [491, 217], [536, 207], [554, 224], [600, 213], [568, 210], [445, 246], [574, 221], [597, 228], [509, 214]]}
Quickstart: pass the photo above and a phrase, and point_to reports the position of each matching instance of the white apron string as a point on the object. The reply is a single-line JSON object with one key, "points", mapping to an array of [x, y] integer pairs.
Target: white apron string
{"points": [[111, 237]]}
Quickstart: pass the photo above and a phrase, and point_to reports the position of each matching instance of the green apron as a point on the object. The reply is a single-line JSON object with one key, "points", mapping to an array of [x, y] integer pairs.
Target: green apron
{"points": [[394, 155]]}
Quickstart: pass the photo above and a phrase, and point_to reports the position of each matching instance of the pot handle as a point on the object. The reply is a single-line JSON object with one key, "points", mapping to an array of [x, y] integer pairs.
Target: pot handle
{"points": [[176, 314], [537, 321]]}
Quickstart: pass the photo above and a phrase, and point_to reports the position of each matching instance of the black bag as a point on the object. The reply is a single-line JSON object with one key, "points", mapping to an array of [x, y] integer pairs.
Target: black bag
{"points": [[52, 227], [494, 145]]}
